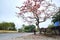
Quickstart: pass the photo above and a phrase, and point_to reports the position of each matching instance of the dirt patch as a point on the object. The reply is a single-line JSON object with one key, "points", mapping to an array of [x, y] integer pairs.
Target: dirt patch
{"points": [[37, 37]]}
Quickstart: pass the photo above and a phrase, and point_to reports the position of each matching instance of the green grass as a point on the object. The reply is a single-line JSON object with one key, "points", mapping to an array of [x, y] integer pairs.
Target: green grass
{"points": [[6, 31]]}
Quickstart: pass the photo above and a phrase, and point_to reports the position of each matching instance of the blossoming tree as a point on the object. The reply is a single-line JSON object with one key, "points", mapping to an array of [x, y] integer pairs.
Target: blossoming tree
{"points": [[36, 11]]}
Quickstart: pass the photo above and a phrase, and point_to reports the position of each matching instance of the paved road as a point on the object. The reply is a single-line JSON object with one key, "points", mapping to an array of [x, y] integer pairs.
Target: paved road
{"points": [[8, 36]]}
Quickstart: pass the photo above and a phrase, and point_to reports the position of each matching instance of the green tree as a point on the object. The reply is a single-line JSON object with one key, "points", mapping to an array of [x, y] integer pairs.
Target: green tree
{"points": [[12, 26], [1, 26], [7, 26], [56, 17], [51, 26], [20, 30], [28, 28]]}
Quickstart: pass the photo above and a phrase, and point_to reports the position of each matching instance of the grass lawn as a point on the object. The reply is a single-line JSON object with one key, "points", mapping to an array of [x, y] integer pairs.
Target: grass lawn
{"points": [[6, 31]]}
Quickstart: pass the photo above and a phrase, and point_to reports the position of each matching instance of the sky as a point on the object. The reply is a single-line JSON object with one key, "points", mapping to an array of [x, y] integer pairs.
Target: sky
{"points": [[8, 12]]}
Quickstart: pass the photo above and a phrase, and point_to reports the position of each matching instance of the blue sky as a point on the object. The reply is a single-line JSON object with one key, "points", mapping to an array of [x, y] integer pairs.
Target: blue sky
{"points": [[8, 9]]}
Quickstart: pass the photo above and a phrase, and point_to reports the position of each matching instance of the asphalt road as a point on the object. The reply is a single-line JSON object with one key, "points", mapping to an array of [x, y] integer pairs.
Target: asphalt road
{"points": [[4, 36]]}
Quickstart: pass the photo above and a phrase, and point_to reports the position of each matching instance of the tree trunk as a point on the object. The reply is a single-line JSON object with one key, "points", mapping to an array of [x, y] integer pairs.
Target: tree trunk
{"points": [[37, 24], [39, 29], [34, 30]]}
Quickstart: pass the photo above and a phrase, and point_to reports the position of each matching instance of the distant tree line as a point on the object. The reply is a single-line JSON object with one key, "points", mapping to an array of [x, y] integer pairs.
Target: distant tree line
{"points": [[27, 28], [7, 26]]}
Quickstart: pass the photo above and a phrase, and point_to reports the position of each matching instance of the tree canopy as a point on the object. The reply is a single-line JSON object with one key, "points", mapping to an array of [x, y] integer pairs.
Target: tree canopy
{"points": [[7, 26], [27, 28], [56, 17]]}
